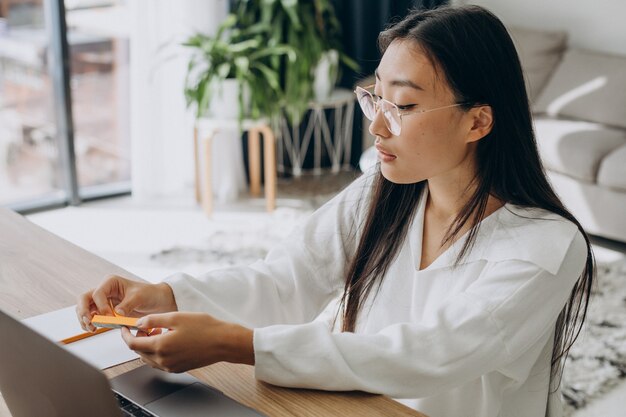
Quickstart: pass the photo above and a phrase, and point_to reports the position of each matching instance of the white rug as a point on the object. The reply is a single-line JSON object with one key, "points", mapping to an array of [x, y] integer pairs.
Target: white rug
{"points": [[597, 361], [233, 239]]}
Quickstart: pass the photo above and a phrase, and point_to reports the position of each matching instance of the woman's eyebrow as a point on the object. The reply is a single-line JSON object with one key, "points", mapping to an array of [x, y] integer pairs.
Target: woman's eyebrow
{"points": [[401, 83]]}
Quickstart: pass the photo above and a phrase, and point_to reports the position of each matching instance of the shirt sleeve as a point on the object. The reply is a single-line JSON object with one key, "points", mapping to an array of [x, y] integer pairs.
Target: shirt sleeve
{"points": [[494, 321], [295, 281]]}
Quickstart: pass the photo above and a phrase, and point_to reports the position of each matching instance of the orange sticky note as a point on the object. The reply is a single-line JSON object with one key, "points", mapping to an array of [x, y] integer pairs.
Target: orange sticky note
{"points": [[114, 322]]}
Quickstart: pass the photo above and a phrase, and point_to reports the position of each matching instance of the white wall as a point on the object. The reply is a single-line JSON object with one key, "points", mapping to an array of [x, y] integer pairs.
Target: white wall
{"points": [[591, 24], [161, 126]]}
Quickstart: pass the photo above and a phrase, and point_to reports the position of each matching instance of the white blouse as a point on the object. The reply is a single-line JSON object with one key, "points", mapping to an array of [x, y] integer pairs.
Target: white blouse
{"points": [[475, 340]]}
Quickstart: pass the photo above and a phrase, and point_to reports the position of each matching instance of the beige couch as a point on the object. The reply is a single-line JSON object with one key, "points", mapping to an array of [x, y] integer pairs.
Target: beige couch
{"points": [[578, 98]]}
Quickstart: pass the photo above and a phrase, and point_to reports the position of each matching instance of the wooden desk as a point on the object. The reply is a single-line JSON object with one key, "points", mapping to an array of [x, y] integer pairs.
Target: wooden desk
{"points": [[40, 272]]}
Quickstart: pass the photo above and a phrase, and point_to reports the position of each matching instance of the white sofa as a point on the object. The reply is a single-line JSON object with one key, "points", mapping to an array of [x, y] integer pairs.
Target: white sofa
{"points": [[578, 98]]}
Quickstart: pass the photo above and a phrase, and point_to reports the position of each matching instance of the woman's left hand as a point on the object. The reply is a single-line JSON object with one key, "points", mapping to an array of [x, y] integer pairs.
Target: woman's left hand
{"points": [[193, 340]]}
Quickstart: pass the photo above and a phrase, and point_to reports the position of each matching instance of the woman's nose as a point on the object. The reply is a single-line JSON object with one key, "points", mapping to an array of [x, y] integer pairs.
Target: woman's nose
{"points": [[378, 127]]}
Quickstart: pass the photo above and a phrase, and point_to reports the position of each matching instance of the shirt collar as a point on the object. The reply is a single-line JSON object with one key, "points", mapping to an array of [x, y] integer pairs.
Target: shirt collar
{"points": [[510, 233]]}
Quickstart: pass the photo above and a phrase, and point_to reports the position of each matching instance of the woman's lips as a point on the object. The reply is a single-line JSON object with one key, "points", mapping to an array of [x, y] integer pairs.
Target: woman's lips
{"points": [[383, 155]]}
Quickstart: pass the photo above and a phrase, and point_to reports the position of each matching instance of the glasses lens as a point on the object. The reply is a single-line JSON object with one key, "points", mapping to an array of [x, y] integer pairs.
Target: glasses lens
{"points": [[367, 103], [392, 119]]}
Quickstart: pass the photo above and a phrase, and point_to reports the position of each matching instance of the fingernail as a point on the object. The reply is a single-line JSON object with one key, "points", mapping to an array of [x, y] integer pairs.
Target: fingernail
{"points": [[86, 320], [140, 323], [119, 311]]}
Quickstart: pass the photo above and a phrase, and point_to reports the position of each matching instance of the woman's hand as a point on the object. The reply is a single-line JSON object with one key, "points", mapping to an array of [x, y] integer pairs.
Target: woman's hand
{"points": [[193, 340], [130, 298]]}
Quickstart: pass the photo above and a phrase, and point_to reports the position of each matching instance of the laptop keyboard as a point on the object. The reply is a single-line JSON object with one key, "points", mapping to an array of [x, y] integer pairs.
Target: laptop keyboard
{"points": [[131, 410]]}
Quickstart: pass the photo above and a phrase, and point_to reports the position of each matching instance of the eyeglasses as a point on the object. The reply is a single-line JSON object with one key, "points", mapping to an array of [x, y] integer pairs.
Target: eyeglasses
{"points": [[392, 114]]}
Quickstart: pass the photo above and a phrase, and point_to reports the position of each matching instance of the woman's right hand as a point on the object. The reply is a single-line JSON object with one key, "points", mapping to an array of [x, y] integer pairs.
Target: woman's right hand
{"points": [[129, 298]]}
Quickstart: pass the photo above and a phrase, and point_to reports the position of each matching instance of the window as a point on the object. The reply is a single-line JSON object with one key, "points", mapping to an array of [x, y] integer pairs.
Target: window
{"points": [[52, 153], [99, 50], [29, 157]]}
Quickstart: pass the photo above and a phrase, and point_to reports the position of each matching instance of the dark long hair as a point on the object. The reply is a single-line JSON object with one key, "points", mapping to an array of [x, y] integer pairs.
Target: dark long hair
{"points": [[473, 50]]}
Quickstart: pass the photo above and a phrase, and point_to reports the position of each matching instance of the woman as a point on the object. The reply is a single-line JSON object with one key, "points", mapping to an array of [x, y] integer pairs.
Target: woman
{"points": [[462, 279]]}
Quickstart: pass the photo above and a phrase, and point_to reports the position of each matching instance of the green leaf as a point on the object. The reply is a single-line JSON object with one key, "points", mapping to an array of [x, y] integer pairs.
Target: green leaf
{"points": [[229, 22], [290, 7], [270, 76], [258, 28], [349, 62], [270, 51], [203, 98], [243, 64], [223, 70], [194, 41], [245, 45]]}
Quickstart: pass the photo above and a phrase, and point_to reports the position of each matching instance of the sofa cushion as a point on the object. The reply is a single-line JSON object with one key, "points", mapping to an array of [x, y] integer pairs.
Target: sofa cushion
{"points": [[539, 51], [589, 86], [576, 148], [612, 172]]}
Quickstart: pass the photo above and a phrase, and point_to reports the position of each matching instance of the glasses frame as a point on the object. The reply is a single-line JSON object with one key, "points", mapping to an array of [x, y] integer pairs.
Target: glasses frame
{"points": [[376, 101]]}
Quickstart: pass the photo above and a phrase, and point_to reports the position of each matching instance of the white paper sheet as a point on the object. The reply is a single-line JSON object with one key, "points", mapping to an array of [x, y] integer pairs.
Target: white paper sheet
{"points": [[102, 350]]}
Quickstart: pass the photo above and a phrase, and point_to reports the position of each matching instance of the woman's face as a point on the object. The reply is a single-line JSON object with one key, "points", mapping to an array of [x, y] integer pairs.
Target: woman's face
{"points": [[430, 144]]}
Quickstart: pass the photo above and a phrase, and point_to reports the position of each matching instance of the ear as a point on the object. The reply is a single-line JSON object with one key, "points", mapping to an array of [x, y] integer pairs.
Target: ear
{"points": [[482, 123]]}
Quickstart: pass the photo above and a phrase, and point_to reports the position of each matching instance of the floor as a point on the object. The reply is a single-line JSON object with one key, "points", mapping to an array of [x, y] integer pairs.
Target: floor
{"points": [[127, 232], [120, 228]]}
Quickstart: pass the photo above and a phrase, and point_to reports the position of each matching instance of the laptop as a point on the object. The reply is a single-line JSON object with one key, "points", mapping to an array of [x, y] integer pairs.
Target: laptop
{"points": [[40, 378]]}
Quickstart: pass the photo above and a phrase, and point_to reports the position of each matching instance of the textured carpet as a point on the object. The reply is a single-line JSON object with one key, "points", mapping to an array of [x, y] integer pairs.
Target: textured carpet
{"points": [[242, 238], [597, 361], [234, 240]]}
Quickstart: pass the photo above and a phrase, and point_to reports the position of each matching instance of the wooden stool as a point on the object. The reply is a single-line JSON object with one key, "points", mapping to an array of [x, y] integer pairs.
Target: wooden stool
{"points": [[255, 129]]}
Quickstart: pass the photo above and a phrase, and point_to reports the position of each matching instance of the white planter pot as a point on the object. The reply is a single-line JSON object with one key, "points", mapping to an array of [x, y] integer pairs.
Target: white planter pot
{"points": [[325, 75], [225, 100]]}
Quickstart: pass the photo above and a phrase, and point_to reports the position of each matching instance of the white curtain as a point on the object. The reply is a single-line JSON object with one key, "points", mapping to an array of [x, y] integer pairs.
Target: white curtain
{"points": [[161, 126]]}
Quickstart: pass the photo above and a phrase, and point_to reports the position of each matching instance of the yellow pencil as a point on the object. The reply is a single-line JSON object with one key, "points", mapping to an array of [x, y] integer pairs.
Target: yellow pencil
{"points": [[82, 336], [113, 308], [85, 335]]}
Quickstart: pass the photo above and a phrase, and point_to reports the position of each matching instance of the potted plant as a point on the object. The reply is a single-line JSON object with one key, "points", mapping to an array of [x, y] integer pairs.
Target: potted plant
{"points": [[311, 29], [235, 63]]}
